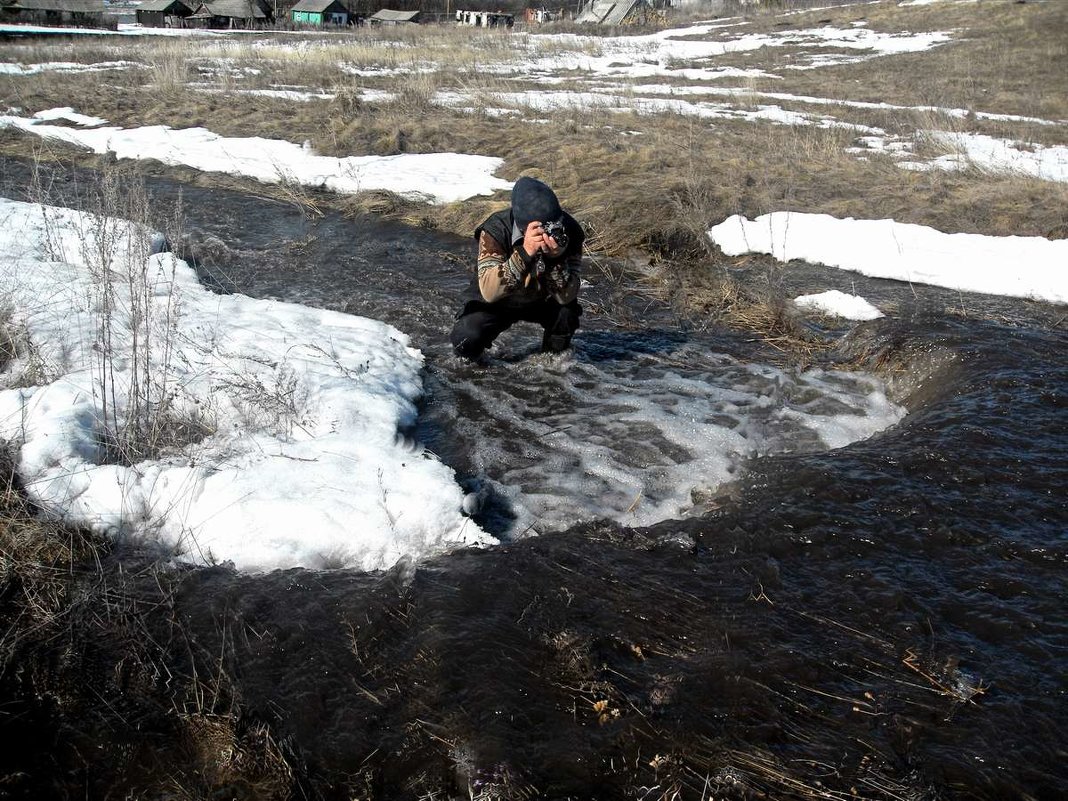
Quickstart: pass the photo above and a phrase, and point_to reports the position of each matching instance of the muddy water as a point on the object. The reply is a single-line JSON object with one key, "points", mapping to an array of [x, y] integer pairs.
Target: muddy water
{"points": [[882, 620]]}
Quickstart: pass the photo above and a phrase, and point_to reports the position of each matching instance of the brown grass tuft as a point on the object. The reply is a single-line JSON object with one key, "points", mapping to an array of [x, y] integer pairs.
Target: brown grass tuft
{"points": [[84, 658], [229, 759]]}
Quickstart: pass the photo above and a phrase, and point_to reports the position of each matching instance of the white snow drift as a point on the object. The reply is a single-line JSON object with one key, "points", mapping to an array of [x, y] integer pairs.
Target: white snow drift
{"points": [[301, 462], [1015, 266]]}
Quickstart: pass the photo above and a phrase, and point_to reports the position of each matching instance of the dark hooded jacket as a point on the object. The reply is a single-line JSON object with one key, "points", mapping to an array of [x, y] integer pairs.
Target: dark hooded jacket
{"points": [[506, 273]]}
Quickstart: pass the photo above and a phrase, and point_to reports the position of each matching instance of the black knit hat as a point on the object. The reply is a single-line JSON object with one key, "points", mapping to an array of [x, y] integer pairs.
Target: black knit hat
{"points": [[533, 200]]}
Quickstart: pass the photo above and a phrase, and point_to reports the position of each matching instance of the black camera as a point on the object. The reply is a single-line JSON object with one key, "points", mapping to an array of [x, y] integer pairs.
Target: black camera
{"points": [[557, 231]]}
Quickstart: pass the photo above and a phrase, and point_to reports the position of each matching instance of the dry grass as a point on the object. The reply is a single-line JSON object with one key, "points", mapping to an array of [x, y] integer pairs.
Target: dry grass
{"points": [[81, 658], [20, 358], [1004, 57], [169, 68], [35, 562], [643, 184]]}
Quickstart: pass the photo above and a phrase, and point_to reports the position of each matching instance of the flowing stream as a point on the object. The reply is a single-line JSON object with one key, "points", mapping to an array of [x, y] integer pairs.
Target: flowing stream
{"points": [[746, 581]]}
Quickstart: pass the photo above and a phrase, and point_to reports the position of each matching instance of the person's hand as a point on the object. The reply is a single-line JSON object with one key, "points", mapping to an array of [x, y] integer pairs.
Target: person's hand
{"points": [[535, 241]]}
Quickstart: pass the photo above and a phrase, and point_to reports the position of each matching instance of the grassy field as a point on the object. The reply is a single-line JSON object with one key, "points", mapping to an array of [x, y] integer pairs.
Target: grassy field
{"points": [[642, 180], [648, 142]]}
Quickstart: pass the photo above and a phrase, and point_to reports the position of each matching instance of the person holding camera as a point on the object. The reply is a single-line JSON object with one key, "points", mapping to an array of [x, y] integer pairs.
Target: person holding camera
{"points": [[529, 257]]}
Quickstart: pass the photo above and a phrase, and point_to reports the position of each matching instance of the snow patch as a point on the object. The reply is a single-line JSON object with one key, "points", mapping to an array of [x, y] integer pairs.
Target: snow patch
{"points": [[1015, 266], [432, 177], [301, 462], [839, 304]]}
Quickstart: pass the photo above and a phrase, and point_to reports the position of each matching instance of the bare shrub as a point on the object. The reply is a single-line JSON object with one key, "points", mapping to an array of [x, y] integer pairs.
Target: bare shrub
{"points": [[277, 405], [138, 308], [133, 326]]}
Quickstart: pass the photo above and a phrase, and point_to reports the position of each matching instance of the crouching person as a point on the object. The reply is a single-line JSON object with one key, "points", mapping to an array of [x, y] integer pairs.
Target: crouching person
{"points": [[529, 257]]}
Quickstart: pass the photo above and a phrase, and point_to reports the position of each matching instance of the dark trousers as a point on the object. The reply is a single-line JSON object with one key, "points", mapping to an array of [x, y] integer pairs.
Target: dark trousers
{"points": [[480, 323]]}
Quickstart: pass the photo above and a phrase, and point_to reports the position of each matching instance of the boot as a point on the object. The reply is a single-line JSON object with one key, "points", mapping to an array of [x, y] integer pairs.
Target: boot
{"points": [[467, 350], [555, 343]]}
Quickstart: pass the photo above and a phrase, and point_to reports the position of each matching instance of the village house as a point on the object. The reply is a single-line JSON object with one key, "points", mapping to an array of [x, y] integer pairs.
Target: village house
{"points": [[485, 19], [539, 16], [82, 13], [228, 14], [323, 12], [163, 13], [388, 16]]}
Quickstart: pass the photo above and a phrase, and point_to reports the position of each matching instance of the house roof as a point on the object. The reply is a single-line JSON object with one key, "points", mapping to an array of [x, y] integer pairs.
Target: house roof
{"points": [[236, 9], [595, 11], [161, 5], [389, 15], [317, 5], [620, 11], [607, 12], [76, 6]]}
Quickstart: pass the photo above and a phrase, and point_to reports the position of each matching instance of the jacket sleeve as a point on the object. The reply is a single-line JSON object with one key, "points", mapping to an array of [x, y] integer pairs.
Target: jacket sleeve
{"points": [[499, 274]]}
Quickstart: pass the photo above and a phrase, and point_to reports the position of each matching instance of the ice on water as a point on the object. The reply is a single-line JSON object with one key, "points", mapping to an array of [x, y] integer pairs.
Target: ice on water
{"points": [[638, 437]]}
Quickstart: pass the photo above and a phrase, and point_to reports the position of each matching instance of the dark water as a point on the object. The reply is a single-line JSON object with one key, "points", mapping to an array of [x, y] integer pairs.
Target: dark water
{"points": [[881, 620]]}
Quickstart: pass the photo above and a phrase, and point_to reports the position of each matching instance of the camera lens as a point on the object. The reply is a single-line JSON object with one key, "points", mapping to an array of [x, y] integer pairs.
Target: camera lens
{"points": [[557, 231]]}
